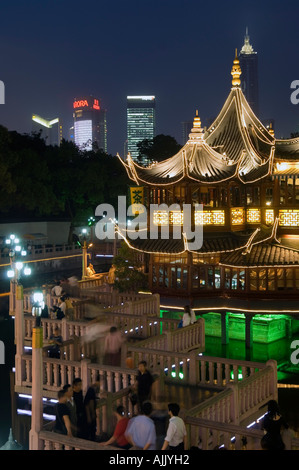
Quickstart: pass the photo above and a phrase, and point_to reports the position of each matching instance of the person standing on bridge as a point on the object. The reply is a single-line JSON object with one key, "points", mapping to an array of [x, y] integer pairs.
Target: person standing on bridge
{"points": [[189, 316], [176, 436], [141, 430], [144, 382]]}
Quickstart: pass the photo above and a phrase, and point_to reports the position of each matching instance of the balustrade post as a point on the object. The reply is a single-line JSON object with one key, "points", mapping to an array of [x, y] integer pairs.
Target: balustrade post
{"points": [[234, 411], [273, 381], [35, 443], [85, 375], [168, 342], [193, 368], [19, 333]]}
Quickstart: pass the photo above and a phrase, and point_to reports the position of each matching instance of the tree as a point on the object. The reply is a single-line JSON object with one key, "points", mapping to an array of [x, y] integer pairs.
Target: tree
{"points": [[129, 276], [159, 148]]}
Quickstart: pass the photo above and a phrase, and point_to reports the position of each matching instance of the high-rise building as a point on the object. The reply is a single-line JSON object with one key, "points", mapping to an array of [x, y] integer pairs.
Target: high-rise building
{"points": [[186, 129], [249, 78], [90, 125], [50, 130], [141, 121]]}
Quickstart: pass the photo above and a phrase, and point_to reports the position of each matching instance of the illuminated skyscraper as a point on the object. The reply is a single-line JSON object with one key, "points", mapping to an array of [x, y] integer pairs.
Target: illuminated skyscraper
{"points": [[141, 121], [249, 78], [50, 130], [90, 125]]}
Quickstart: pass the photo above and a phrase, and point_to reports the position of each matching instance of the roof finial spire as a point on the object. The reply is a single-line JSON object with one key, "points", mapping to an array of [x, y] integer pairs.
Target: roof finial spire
{"points": [[197, 121], [236, 71]]}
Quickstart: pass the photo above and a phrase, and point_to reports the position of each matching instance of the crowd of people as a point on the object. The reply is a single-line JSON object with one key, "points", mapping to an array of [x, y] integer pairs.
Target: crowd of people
{"points": [[76, 416]]}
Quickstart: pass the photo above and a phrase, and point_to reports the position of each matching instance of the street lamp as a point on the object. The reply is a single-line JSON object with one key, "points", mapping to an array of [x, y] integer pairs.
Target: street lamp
{"points": [[38, 305], [17, 268], [84, 244]]}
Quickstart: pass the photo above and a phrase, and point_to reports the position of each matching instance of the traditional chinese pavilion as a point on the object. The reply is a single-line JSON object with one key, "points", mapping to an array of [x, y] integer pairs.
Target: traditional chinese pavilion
{"points": [[248, 184]]}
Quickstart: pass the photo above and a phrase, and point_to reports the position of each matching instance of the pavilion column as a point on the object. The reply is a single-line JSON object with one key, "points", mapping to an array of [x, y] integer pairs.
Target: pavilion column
{"points": [[224, 328], [249, 330], [35, 443]]}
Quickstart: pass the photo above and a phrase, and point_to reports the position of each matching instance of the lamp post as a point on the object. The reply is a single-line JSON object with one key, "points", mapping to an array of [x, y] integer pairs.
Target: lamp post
{"points": [[84, 243], [16, 254], [16, 298], [35, 442]]}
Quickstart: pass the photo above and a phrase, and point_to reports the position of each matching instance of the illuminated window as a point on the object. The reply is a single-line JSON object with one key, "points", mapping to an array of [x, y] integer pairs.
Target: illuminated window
{"points": [[176, 218], [237, 216], [253, 216], [209, 218], [269, 216], [160, 218], [289, 218], [253, 279], [271, 279]]}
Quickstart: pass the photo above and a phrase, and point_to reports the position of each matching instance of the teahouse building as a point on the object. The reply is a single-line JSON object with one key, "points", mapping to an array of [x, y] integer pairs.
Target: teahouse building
{"points": [[248, 184]]}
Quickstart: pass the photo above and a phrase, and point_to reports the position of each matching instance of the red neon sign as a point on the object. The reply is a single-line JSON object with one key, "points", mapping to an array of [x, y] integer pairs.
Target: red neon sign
{"points": [[80, 103], [96, 104]]}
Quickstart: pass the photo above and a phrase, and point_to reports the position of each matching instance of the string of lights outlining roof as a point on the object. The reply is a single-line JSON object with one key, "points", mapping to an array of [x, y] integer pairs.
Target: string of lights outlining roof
{"points": [[236, 146]]}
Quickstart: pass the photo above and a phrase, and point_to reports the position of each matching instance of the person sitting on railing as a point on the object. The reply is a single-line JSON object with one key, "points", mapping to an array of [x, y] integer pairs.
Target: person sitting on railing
{"points": [[118, 438], [90, 272], [57, 289], [55, 344], [63, 422], [69, 311]]}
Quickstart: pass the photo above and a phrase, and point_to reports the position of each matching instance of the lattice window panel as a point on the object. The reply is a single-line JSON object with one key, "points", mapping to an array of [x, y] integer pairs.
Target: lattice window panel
{"points": [[237, 216], [269, 216], [209, 218], [253, 216], [289, 218], [160, 218], [176, 218]]}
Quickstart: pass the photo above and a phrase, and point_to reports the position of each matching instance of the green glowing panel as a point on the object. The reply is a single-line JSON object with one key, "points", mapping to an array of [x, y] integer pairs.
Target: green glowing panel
{"points": [[265, 328]]}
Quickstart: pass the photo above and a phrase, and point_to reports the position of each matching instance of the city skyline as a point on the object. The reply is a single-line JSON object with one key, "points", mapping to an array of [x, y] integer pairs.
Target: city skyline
{"points": [[185, 63]]}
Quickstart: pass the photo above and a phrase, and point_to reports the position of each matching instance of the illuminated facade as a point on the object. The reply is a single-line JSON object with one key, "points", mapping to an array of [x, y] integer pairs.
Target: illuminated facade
{"points": [[90, 125], [50, 130], [141, 121], [247, 182]]}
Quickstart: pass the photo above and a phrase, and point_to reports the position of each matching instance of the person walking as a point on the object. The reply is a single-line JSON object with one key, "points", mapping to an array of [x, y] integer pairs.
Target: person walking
{"points": [[176, 436], [144, 382], [90, 409], [141, 430], [119, 438], [72, 407], [62, 412], [78, 399], [112, 347], [273, 424]]}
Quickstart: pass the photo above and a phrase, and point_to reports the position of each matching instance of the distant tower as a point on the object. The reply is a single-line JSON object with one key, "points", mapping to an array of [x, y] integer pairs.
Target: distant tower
{"points": [[50, 130], [186, 129], [90, 126], [141, 121], [249, 80]]}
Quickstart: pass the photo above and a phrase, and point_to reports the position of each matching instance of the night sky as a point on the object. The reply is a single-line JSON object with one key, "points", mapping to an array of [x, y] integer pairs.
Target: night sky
{"points": [[181, 51]]}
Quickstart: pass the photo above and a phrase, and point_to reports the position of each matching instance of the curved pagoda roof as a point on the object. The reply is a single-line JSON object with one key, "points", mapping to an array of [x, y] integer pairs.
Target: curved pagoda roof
{"points": [[236, 145]]}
